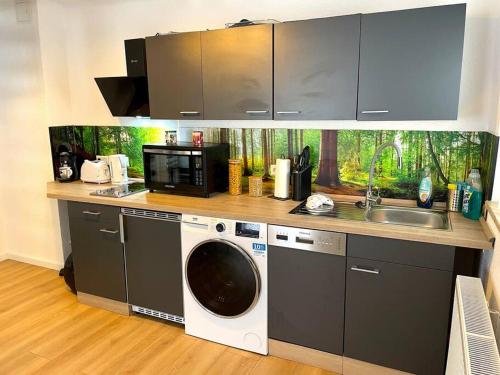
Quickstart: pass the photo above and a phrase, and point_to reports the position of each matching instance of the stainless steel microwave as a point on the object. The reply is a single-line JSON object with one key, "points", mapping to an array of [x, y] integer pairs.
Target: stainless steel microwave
{"points": [[185, 169]]}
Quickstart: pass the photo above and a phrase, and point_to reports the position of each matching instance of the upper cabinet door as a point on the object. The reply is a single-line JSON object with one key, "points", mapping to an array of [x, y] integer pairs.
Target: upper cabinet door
{"points": [[410, 64], [174, 76], [238, 73], [316, 69]]}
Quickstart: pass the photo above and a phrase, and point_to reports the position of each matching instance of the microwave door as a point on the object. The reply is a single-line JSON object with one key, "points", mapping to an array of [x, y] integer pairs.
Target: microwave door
{"points": [[170, 170], [159, 169]]}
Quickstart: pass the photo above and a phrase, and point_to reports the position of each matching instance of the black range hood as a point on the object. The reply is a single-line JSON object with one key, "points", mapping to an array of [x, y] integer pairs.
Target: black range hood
{"points": [[125, 96], [128, 96]]}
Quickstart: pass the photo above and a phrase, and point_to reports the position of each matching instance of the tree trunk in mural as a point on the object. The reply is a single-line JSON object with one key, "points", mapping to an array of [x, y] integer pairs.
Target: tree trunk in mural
{"points": [[328, 173], [301, 142], [223, 135], [467, 158], [296, 142], [251, 150], [96, 140], [265, 153], [270, 136], [244, 154], [358, 149], [289, 133], [118, 139], [434, 158], [380, 142]]}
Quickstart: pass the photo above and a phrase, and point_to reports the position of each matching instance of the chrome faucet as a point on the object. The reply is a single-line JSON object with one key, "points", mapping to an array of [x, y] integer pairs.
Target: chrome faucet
{"points": [[371, 198]]}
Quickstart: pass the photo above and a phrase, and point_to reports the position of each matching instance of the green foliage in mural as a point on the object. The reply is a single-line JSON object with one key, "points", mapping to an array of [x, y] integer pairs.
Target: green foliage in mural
{"points": [[450, 155], [341, 158]]}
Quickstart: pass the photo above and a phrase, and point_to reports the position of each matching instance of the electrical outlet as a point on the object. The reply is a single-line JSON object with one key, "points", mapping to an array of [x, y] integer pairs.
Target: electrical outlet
{"points": [[495, 321], [23, 11]]}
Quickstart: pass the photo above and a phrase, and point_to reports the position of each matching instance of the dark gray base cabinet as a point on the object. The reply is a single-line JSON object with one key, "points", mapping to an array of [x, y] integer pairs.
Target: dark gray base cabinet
{"points": [[397, 314], [154, 266], [97, 250], [306, 298]]}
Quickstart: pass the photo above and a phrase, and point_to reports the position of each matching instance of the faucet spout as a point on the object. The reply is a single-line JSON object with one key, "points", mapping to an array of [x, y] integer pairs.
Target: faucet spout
{"points": [[370, 196]]}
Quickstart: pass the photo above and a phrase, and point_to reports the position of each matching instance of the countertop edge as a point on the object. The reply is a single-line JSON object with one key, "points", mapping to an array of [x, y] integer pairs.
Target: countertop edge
{"points": [[344, 226]]}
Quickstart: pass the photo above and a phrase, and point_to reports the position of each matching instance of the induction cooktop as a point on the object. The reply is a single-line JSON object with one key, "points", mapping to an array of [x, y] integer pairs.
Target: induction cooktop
{"points": [[118, 191]]}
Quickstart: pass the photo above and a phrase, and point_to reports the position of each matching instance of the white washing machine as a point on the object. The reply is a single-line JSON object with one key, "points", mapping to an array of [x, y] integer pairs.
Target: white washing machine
{"points": [[225, 281]]}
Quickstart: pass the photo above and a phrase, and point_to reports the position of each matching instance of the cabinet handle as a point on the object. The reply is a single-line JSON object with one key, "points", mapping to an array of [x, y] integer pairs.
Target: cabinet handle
{"points": [[306, 241], [92, 213], [366, 270], [376, 111], [122, 231], [108, 231], [261, 112], [289, 112], [190, 113]]}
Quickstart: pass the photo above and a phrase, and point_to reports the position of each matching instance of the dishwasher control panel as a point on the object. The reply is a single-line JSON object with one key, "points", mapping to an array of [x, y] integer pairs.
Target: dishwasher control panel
{"points": [[307, 239]]}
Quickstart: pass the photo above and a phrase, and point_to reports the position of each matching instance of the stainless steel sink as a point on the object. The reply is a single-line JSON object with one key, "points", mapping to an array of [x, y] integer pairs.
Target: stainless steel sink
{"points": [[416, 217]]}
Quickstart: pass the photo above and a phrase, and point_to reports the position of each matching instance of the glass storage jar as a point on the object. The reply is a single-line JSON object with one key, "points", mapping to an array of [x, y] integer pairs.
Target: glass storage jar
{"points": [[255, 186], [234, 176]]}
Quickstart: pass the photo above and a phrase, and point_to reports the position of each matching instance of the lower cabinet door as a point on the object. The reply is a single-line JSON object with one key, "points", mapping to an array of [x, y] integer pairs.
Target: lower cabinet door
{"points": [[98, 258], [154, 264], [397, 316], [306, 298]]}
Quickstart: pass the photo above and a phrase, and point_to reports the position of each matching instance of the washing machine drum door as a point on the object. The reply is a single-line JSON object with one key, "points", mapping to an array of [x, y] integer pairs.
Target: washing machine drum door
{"points": [[223, 278]]}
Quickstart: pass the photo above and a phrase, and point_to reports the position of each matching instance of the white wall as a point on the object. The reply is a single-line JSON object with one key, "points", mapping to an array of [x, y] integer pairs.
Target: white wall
{"points": [[29, 226], [90, 36], [47, 71]]}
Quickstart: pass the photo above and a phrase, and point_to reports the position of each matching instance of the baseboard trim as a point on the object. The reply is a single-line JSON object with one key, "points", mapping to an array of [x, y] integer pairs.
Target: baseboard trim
{"points": [[32, 260], [104, 303], [327, 361], [308, 356], [355, 367]]}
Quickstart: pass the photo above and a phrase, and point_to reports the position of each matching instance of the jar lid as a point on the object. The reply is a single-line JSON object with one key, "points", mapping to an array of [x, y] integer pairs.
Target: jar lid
{"points": [[452, 186]]}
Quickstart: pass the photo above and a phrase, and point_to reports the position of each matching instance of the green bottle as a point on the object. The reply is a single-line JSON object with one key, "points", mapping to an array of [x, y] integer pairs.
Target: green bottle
{"points": [[473, 196]]}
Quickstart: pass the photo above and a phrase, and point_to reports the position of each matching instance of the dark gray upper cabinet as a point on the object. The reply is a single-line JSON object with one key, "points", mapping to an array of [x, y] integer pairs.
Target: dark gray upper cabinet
{"points": [[397, 311], [154, 266], [97, 250], [238, 73], [316, 69], [174, 76], [410, 64]]}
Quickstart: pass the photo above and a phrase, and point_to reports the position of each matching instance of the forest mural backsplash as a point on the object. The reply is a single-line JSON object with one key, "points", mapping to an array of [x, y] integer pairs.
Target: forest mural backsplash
{"points": [[340, 158]]}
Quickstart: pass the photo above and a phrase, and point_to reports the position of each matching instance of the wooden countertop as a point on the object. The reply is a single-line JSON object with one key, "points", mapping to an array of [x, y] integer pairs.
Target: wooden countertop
{"points": [[464, 232], [493, 210]]}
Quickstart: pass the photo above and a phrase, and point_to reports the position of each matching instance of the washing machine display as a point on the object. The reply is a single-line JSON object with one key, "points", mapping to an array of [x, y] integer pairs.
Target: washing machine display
{"points": [[223, 278]]}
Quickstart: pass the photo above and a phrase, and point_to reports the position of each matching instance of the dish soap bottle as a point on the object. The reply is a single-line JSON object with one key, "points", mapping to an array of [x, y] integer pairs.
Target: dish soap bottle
{"points": [[473, 196], [424, 198]]}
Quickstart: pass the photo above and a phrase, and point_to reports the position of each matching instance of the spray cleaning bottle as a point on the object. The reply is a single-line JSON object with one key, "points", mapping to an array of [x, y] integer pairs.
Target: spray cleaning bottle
{"points": [[425, 198], [473, 196]]}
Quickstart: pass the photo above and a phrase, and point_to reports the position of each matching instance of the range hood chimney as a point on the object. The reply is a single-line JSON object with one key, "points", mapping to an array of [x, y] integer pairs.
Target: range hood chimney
{"points": [[128, 96]]}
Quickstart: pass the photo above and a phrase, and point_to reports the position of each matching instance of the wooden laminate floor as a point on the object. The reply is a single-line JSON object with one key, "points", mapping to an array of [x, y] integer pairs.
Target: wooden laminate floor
{"points": [[44, 330]]}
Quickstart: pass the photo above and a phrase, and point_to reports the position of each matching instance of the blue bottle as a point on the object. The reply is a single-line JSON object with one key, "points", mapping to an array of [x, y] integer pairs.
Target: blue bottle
{"points": [[425, 199]]}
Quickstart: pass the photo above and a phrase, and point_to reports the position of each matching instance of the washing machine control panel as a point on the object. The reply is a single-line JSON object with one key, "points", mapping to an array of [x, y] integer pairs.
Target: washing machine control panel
{"points": [[250, 230], [220, 227]]}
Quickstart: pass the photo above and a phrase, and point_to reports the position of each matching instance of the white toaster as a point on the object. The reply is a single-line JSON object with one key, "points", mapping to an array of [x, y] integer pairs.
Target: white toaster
{"points": [[96, 171]]}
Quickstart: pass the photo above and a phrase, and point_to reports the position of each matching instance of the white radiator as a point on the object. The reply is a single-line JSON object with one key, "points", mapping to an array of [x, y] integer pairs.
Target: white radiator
{"points": [[473, 349]]}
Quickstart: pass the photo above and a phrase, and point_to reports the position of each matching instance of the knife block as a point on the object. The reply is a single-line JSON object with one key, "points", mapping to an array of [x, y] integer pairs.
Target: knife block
{"points": [[301, 184]]}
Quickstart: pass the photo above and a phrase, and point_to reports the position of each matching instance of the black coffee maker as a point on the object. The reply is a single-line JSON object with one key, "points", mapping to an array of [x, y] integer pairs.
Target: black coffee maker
{"points": [[67, 167]]}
